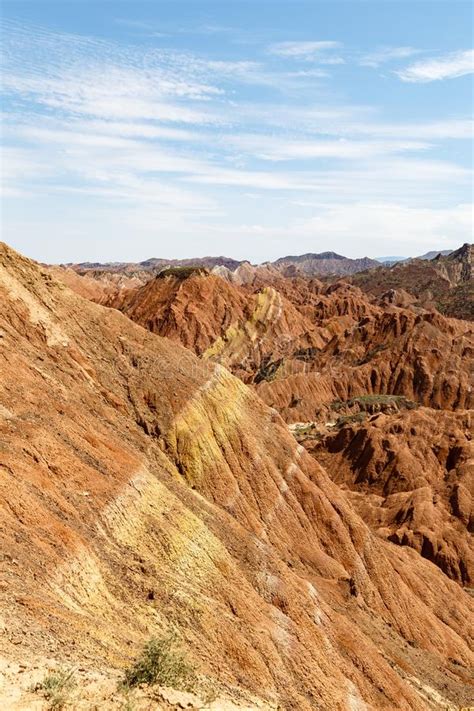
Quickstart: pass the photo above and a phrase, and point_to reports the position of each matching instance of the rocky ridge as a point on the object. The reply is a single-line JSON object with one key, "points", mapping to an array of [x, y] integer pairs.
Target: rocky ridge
{"points": [[444, 282]]}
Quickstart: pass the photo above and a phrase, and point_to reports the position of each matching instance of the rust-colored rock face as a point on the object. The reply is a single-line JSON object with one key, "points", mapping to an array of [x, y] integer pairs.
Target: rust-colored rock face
{"points": [[304, 344], [411, 477], [143, 487], [244, 329]]}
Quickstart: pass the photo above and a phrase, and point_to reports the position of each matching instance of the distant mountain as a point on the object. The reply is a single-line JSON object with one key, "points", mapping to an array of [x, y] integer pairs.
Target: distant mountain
{"points": [[311, 255], [156, 264], [434, 253], [324, 263], [207, 262], [445, 282], [390, 260], [428, 255], [310, 264]]}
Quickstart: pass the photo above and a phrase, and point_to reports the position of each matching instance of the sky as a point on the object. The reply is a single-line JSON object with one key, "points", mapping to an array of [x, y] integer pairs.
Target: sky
{"points": [[254, 130]]}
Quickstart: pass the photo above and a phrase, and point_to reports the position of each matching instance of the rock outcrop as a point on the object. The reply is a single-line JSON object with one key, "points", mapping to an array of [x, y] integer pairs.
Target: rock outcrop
{"points": [[444, 282], [411, 477]]}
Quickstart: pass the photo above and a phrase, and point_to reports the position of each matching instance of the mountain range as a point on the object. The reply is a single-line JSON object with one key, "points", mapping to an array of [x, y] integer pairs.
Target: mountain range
{"points": [[323, 263]]}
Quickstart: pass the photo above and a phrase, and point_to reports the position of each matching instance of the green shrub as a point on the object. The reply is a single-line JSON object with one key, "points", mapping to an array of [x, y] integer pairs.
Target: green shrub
{"points": [[183, 272], [344, 420], [374, 402], [56, 687], [161, 662]]}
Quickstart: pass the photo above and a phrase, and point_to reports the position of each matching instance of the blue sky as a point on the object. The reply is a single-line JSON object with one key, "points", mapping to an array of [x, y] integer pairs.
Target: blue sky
{"points": [[251, 129]]}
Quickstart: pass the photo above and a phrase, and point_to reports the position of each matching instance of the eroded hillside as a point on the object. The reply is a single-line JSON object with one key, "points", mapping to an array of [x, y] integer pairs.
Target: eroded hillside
{"points": [[142, 487], [411, 476], [444, 282], [310, 348]]}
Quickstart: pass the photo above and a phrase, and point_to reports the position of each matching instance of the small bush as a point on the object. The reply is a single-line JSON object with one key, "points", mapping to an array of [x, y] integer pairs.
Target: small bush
{"points": [[374, 403], [161, 662], [344, 420], [56, 687], [371, 354], [182, 272]]}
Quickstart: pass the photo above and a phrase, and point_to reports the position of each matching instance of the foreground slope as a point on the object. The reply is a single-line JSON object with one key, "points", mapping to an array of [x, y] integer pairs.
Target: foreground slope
{"points": [[142, 487]]}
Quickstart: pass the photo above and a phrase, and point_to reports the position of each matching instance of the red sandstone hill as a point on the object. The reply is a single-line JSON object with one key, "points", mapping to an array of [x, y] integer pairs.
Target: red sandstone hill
{"points": [[308, 348], [142, 487], [411, 477], [241, 328], [305, 344]]}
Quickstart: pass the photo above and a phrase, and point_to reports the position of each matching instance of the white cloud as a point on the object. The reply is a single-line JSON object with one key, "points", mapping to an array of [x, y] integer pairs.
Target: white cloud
{"points": [[109, 158], [151, 142], [280, 148], [347, 121], [387, 54], [429, 131], [404, 179], [305, 74], [449, 66], [19, 167], [302, 50], [144, 194], [331, 60], [390, 227], [136, 130]]}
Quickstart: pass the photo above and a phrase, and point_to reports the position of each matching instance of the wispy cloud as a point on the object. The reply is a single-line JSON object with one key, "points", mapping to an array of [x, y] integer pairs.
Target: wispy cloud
{"points": [[145, 136], [278, 148], [305, 50], [449, 66], [387, 54], [141, 27], [404, 179], [406, 226]]}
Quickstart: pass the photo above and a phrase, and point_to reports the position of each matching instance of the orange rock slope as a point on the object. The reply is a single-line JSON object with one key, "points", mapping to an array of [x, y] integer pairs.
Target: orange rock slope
{"points": [[142, 487], [304, 344], [310, 348], [411, 477]]}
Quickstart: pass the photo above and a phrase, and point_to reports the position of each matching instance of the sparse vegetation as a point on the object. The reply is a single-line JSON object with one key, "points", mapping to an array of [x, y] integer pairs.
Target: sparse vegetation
{"points": [[268, 371], [371, 354], [303, 428], [56, 688], [161, 662], [374, 403], [182, 272], [344, 420]]}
